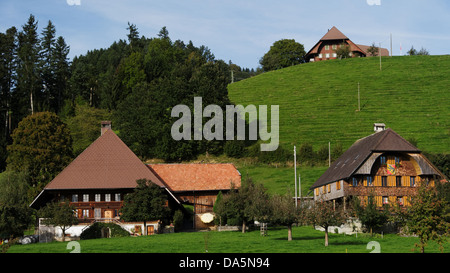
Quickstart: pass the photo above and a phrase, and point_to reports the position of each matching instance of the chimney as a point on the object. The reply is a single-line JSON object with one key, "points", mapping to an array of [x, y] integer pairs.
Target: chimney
{"points": [[106, 125], [378, 127]]}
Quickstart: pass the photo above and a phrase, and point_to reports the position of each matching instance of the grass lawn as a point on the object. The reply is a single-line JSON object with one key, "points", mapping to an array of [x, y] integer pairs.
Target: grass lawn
{"points": [[319, 101], [280, 179], [305, 240]]}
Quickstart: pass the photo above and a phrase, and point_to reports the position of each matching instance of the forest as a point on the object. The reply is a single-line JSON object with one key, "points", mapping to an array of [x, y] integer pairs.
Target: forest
{"points": [[135, 83]]}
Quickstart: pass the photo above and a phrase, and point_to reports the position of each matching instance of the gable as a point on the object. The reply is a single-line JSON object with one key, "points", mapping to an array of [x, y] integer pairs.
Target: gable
{"points": [[107, 163]]}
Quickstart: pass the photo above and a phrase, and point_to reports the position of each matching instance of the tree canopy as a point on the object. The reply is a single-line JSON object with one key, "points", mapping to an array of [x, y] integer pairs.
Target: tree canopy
{"points": [[41, 147], [283, 53]]}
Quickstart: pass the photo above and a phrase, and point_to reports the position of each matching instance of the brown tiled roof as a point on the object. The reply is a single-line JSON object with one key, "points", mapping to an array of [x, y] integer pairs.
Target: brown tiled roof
{"points": [[107, 163], [384, 51], [347, 164], [334, 34], [198, 177]]}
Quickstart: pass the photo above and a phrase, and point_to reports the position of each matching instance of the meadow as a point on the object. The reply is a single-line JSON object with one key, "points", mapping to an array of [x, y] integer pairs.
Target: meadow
{"points": [[305, 240], [318, 102]]}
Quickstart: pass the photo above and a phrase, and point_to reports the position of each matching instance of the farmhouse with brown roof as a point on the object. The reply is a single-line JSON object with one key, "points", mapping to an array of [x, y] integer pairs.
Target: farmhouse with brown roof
{"points": [[97, 180], [383, 165], [325, 48]]}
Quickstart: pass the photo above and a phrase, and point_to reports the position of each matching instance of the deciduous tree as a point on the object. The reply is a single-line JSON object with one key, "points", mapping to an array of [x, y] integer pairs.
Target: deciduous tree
{"points": [[324, 214], [59, 214], [283, 53], [425, 217], [42, 147], [148, 202]]}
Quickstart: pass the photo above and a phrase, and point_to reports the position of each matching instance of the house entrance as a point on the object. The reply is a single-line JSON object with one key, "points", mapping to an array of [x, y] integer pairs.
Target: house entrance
{"points": [[150, 230], [108, 214]]}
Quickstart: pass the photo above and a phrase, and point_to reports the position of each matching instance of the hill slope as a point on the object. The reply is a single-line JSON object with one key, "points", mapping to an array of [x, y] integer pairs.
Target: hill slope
{"points": [[319, 101]]}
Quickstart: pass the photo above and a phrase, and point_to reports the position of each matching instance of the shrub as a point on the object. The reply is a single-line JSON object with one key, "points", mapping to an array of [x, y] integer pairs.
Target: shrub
{"points": [[95, 231]]}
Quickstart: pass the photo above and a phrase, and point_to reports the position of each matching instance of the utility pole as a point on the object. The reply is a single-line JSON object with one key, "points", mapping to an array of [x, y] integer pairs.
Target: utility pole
{"points": [[391, 45], [295, 175], [359, 101], [379, 53]]}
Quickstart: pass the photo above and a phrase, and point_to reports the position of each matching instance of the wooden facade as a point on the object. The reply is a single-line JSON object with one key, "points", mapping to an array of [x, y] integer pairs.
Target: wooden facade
{"points": [[326, 48], [382, 166]]}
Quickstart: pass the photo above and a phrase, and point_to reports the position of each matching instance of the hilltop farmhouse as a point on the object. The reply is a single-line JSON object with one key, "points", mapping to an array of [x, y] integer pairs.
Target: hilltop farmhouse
{"points": [[383, 165], [97, 180], [325, 48]]}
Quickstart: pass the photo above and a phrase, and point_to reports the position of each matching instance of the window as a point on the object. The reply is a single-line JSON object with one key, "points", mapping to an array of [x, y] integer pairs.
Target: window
{"points": [[86, 213], [412, 181], [327, 47], [397, 160], [317, 191], [117, 197], [74, 197], [108, 197], [398, 181], [97, 197], [97, 213], [385, 200], [329, 187], [85, 197], [383, 160], [369, 181], [400, 200], [334, 55], [384, 181], [327, 55], [338, 185], [320, 55], [324, 189], [355, 182], [334, 47]]}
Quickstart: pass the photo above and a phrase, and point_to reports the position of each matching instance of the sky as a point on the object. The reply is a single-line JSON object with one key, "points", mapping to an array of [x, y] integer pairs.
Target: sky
{"points": [[240, 31]]}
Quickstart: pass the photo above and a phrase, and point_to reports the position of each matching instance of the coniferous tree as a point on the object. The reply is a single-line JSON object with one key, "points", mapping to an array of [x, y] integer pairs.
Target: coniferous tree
{"points": [[29, 85]]}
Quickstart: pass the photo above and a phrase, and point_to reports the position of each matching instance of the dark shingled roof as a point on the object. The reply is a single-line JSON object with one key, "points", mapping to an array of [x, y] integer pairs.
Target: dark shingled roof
{"points": [[346, 165]]}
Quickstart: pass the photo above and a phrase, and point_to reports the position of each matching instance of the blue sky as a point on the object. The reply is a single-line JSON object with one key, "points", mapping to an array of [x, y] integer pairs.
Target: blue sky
{"points": [[240, 31]]}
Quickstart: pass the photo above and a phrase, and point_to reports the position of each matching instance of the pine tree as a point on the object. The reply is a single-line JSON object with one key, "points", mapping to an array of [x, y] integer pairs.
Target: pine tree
{"points": [[28, 79]]}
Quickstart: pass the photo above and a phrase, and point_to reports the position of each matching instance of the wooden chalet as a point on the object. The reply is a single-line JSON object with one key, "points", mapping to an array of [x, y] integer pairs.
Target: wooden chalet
{"points": [[383, 165], [97, 181], [325, 48], [198, 185]]}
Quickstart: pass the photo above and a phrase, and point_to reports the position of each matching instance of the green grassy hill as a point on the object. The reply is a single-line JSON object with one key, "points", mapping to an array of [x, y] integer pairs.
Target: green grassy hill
{"points": [[319, 101]]}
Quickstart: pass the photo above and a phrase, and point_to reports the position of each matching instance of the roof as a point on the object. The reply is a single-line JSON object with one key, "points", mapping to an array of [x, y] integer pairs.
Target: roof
{"points": [[334, 34], [106, 164], [384, 51], [197, 177], [350, 161]]}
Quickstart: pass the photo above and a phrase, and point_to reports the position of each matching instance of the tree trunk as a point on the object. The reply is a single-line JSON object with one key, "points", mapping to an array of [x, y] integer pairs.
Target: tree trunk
{"points": [[289, 232], [326, 236], [243, 226]]}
